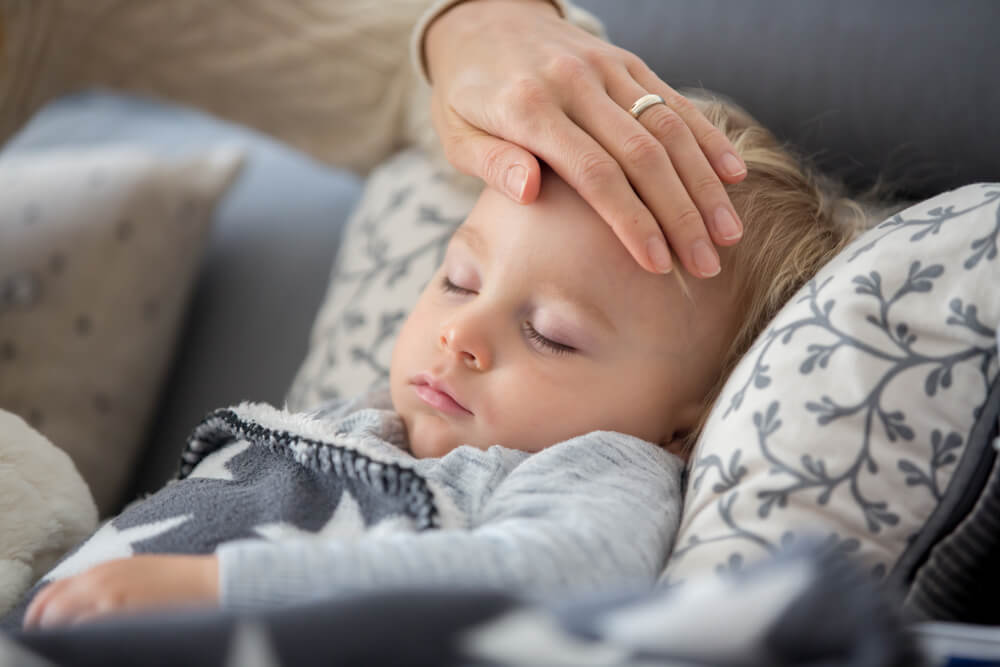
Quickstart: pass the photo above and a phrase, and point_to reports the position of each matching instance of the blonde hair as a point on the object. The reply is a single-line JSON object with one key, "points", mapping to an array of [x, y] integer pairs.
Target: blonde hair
{"points": [[794, 220]]}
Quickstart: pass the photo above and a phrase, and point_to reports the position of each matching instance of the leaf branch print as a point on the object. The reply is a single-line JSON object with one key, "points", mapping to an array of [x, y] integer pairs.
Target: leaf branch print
{"points": [[936, 217]]}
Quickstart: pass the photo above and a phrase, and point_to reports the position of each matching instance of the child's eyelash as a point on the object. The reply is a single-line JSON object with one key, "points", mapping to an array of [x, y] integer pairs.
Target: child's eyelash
{"points": [[551, 345], [449, 286], [530, 331]]}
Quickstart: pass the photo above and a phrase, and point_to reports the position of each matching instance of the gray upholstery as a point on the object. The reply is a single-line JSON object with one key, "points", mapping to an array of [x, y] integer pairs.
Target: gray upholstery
{"points": [[957, 578], [903, 89]]}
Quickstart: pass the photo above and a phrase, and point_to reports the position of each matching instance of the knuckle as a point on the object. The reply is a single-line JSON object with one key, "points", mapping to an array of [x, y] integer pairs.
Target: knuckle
{"points": [[523, 97], [665, 124], [594, 170], [56, 609], [704, 186], [111, 600], [567, 69], [633, 62], [681, 104], [688, 222], [642, 151], [596, 56], [713, 136], [493, 163]]}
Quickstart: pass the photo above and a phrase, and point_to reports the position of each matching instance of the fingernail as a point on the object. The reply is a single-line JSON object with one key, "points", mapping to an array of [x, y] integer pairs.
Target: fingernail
{"points": [[732, 165], [656, 248], [705, 259], [516, 181], [726, 225]]}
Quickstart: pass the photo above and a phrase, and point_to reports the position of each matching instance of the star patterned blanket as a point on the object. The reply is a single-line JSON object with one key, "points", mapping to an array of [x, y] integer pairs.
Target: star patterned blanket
{"points": [[799, 609], [246, 475]]}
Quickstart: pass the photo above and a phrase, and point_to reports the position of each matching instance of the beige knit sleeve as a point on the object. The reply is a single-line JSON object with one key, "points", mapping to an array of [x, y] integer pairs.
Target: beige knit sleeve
{"points": [[567, 10], [331, 77]]}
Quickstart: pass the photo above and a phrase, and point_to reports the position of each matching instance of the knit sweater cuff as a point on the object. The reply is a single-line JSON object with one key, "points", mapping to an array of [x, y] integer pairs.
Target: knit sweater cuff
{"points": [[437, 9]]}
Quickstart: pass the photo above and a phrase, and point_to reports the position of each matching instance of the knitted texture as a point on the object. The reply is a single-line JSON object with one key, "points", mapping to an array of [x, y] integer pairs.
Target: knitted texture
{"points": [[332, 79]]}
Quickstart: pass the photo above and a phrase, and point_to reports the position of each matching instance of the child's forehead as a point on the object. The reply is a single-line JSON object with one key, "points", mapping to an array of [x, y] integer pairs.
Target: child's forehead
{"points": [[559, 211]]}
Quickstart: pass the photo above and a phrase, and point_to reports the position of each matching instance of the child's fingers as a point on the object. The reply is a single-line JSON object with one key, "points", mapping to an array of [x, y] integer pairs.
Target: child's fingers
{"points": [[38, 604], [87, 615], [58, 604]]}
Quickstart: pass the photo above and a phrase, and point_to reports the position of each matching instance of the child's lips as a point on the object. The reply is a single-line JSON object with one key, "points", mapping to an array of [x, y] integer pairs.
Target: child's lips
{"points": [[438, 396]]}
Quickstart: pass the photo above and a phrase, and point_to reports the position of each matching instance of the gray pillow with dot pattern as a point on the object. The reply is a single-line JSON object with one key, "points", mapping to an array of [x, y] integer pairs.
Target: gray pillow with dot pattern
{"points": [[99, 249]]}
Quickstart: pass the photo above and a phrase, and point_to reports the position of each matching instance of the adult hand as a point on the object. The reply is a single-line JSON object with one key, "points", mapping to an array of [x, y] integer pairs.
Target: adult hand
{"points": [[511, 79], [138, 583]]}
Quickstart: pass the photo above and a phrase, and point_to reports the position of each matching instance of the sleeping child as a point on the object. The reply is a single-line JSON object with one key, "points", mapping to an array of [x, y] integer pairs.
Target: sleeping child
{"points": [[543, 395]]}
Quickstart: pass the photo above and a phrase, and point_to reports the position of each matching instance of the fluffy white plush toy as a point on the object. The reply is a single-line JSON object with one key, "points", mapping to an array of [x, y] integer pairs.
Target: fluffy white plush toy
{"points": [[45, 507]]}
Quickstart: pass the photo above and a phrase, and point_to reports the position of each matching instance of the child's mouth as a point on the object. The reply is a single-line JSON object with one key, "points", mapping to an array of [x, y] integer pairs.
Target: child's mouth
{"points": [[437, 396]]}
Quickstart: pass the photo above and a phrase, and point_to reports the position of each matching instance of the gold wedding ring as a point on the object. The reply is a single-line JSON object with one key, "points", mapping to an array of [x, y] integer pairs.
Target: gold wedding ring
{"points": [[644, 103]]}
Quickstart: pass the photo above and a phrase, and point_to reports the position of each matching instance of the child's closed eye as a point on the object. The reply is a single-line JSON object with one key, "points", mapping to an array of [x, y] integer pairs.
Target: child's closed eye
{"points": [[546, 343], [448, 286], [537, 339]]}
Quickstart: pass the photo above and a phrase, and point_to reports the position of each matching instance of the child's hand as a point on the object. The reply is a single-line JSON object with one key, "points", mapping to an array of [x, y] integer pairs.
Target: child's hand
{"points": [[138, 583]]}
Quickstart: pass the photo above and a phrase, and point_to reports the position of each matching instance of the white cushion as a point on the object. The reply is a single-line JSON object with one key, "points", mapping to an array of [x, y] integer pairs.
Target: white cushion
{"points": [[849, 417]]}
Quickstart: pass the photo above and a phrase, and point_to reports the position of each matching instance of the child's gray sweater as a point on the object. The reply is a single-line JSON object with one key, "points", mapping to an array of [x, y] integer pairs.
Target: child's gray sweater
{"points": [[590, 513], [301, 506]]}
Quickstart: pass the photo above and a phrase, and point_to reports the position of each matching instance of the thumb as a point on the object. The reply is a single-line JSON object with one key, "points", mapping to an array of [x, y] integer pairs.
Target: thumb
{"points": [[504, 166]]}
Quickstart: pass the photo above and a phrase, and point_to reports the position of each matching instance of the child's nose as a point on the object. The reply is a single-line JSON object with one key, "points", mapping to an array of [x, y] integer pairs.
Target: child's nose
{"points": [[470, 347]]}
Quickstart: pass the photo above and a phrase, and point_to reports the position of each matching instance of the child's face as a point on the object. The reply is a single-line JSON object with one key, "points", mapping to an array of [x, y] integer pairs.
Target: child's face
{"points": [[539, 326]]}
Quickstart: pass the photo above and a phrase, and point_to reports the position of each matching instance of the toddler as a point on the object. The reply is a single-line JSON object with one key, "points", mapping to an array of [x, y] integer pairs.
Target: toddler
{"points": [[543, 394]]}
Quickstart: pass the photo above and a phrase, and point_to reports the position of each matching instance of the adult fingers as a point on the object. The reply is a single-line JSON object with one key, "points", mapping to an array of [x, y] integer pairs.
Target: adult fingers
{"points": [[655, 175], [714, 144], [595, 174], [699, 179], [504, 166], [571, 153]]}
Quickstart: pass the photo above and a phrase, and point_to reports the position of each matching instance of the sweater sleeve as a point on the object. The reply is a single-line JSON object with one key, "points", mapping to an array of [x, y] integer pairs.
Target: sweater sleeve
{"points": [[589, 514], [332, 79]]}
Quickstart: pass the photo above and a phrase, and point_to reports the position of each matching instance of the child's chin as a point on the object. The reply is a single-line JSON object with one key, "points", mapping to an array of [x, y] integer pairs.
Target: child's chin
{"points": [[431, 440]]}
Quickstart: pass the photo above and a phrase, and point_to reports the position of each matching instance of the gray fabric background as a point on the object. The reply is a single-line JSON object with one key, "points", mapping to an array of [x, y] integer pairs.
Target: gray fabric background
{"points": [[903, 88]]}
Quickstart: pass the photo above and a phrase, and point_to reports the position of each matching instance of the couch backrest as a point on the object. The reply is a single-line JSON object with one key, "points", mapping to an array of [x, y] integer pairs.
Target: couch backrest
{"points": [[906, 90]]}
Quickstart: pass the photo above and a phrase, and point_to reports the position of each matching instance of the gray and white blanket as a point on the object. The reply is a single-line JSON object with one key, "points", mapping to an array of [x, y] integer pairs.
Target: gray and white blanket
{"points": [[241, 479], [248, 473], [297, 506], [799, 609]]}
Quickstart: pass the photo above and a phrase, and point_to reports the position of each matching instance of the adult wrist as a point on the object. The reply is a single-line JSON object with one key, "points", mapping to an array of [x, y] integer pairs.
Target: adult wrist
{"points": [[418, 38]]}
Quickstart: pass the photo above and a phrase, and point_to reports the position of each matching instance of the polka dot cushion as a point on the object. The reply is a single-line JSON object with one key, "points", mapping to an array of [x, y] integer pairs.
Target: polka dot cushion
{"points": [[98, 251]]}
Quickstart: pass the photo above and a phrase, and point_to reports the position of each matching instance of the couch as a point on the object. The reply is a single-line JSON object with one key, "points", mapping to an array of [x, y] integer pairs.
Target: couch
{"points": [[897, 94]]}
